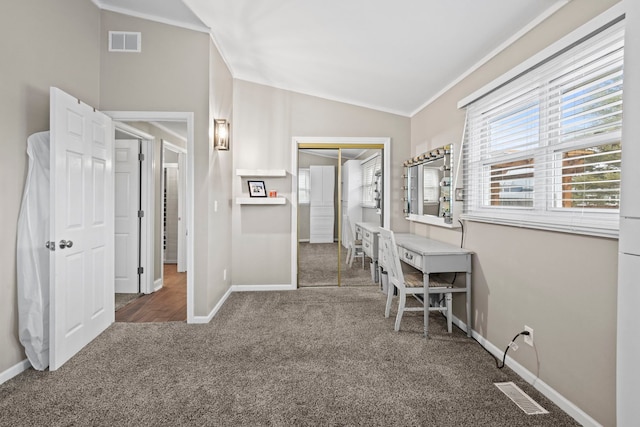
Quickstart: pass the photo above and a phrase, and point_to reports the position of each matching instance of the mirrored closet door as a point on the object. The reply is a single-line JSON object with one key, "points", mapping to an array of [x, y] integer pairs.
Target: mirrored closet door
{"points": [[338, 188]]}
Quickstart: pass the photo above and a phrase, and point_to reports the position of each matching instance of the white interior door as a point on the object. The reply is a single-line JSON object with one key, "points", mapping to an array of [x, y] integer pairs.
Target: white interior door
{"points": [[127, 224], [82, 226], [316, 181], [321, 216]]}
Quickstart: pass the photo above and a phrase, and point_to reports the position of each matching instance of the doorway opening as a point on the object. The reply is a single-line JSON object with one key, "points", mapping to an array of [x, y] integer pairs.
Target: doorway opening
{"points": [[170, 287], [132, 193], [335, 188], [173, 206]]}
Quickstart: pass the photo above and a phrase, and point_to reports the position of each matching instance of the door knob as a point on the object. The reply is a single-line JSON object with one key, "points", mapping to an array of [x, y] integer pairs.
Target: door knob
{"points": [[65, 244]]}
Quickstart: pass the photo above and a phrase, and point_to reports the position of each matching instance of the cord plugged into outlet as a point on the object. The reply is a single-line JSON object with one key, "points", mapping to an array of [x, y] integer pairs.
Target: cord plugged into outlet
{"points": [[528, 338], [528, 332], [528, 335]]}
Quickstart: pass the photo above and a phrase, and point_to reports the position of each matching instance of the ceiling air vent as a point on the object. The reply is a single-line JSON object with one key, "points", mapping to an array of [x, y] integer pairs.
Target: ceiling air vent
{"points": [[125, 41]]}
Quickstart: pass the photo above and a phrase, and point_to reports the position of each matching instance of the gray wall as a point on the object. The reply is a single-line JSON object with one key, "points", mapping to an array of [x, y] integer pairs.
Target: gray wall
{"points": [[43, 44], [266, 120], [561, 285]]}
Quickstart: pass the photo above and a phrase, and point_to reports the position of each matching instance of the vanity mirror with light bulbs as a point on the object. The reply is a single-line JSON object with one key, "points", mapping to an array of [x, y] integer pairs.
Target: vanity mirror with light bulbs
{"points": [[428, 188]]}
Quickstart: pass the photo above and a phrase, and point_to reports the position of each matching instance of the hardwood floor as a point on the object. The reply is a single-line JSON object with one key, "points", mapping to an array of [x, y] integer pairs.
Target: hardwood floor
{"points": [[169, 304]]}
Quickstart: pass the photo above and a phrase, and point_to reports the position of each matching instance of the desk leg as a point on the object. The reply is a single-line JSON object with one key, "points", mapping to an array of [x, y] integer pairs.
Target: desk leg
{"points": [[425, 284], [448, 297], [468, 304]]}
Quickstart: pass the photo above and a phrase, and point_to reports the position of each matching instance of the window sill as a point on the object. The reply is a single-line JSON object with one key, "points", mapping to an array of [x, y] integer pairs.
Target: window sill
{"points": [[608, 233]]}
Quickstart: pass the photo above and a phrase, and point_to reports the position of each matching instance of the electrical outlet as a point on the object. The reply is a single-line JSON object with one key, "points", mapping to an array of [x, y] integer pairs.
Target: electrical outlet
{"points": [[224, 274], [528, 339]]}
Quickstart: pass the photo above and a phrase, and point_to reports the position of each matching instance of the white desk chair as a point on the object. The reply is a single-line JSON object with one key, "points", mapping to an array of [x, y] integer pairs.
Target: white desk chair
{"points": [[408, 283], [354, 247]]}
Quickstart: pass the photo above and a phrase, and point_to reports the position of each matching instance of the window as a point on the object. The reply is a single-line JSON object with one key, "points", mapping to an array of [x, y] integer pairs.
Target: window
{"points": [[371, 169], [544, 149], [304, 186], [430, 184]]}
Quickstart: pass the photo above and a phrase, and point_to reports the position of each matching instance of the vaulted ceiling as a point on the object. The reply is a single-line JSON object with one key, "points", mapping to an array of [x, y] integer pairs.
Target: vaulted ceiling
{"points": [[392, 56]]}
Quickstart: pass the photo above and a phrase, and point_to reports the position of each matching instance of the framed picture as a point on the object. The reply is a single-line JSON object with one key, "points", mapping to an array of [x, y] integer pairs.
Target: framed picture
{"points": [[257, 189]]}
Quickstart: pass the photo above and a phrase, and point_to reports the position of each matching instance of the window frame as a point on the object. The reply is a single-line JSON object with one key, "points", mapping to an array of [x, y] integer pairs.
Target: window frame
{"points": [[307, 189], [546, 210], [372, 164]]}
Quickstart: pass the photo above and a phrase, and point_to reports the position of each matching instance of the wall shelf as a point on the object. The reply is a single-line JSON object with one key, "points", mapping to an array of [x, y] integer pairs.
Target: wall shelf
{"points": [[261, 172], [261, 200]]}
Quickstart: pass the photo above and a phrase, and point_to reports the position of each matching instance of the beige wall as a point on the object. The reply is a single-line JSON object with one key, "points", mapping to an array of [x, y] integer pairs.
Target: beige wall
{"points": [[266, 119], [43, 44], [172, 73], [220, 176], [561, 285]]}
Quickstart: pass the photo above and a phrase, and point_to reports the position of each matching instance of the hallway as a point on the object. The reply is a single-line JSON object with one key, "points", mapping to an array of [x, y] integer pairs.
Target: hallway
{"points": [[169, 304]]}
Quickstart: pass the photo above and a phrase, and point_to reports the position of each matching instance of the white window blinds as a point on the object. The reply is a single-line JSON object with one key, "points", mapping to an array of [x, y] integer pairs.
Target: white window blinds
{"points": [[304, 186], [544, 150], [369, 169]]}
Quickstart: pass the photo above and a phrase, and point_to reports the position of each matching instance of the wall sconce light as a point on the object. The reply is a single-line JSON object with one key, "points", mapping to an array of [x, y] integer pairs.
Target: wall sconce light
{"points": [[220, 134]]}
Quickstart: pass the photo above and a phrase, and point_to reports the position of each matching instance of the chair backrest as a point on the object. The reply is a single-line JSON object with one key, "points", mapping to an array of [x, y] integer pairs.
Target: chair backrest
{"points": [[349, 230], [387, 242]]}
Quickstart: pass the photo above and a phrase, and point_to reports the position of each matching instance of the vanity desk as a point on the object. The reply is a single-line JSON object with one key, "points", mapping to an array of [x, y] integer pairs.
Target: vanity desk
{"points": [[368, 233], [432, 256], [430, 198]]}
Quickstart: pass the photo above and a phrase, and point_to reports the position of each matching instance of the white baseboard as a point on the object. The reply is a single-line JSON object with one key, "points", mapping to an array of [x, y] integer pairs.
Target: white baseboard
{"points": [[14, 370], [562, 402], [207, 318], [254, 288], [157, 285], [239, 288]]}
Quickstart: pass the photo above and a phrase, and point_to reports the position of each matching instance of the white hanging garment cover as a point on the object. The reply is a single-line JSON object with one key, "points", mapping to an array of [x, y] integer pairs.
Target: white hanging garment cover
{"points": [[33, 256]]}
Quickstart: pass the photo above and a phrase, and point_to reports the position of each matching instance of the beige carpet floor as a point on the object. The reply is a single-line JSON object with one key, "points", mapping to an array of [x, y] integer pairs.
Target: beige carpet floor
{"points": [[310, 357], [318, 266]]}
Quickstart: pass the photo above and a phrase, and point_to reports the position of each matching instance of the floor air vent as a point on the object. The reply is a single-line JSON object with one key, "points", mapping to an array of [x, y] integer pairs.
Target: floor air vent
{"points": [[520, 398]]}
